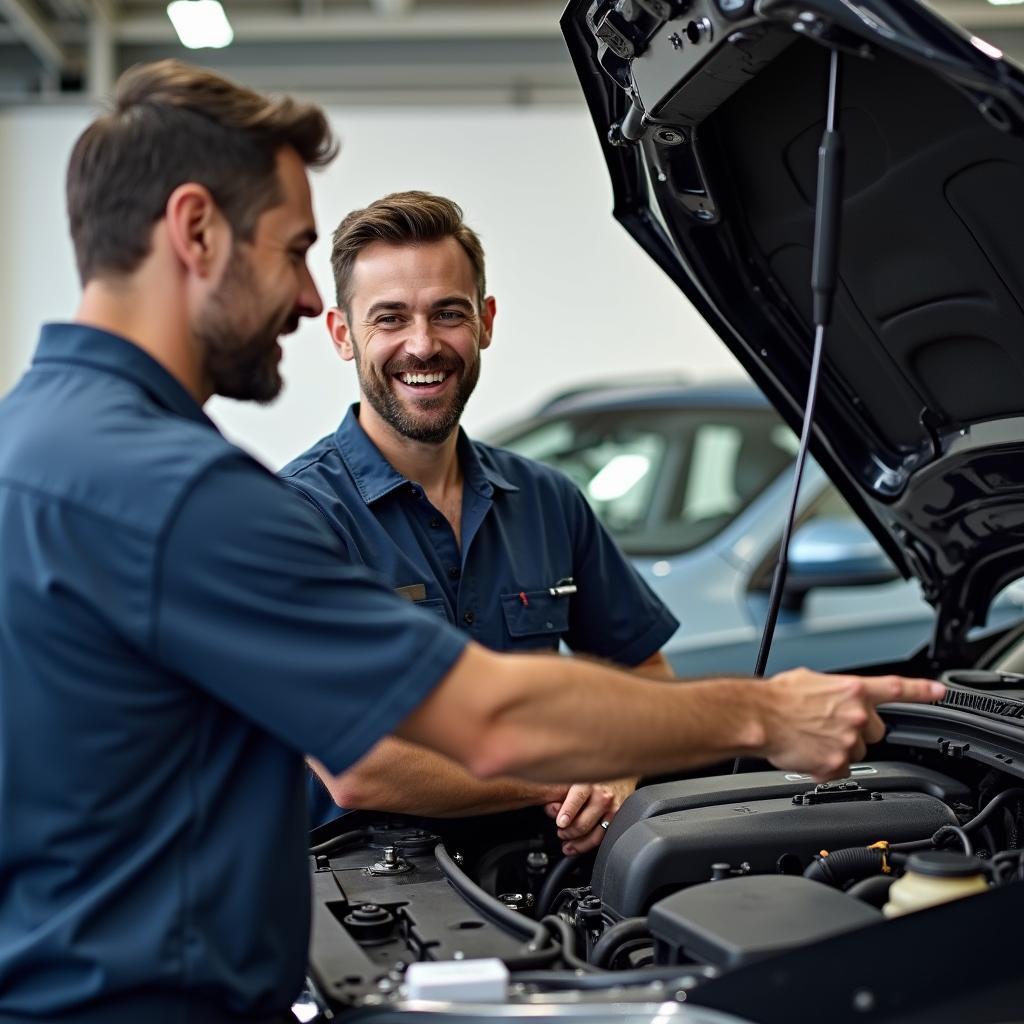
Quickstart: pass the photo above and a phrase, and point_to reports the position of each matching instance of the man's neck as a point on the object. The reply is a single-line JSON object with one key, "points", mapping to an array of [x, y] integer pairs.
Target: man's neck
{"points": [[434, 466], [151, 318]]}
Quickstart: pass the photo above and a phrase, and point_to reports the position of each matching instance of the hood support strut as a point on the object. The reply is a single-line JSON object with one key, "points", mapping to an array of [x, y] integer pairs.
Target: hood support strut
{"points": [[823, 286]]}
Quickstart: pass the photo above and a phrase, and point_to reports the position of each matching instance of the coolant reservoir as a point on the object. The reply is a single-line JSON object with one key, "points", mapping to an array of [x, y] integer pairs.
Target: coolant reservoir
{"points": [[936, 876]]}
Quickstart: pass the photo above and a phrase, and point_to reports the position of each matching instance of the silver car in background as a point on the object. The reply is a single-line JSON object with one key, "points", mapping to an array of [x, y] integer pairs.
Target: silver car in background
{"points": [[693, 481]]}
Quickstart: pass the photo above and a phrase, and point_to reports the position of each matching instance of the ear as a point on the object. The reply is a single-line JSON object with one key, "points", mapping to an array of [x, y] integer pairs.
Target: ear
{"points": [[487, 321], [197, 230], [337, 328]]}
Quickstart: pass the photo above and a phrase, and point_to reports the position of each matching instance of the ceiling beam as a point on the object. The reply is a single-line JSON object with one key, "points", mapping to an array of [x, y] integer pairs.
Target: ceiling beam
{"points": [[497, 21], [100, 68], [33, 30]]}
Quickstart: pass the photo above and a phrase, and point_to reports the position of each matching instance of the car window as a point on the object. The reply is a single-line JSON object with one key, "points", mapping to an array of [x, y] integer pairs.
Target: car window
{"points": [[830, 504], [663, 481]]}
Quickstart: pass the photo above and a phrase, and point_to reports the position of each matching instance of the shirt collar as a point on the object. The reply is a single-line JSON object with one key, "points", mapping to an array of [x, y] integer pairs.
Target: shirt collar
{"points": [[90, 346], [375, 477], [481, 476]]}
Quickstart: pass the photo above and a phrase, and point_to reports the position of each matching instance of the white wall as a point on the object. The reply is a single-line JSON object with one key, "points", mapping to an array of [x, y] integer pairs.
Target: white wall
{"points": [[577, 298]]}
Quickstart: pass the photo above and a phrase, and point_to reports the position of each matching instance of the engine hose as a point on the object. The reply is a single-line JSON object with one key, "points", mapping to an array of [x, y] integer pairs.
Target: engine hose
{"points": [[962, 832], [947, 831], [340, 841], [684, 976], [842, 866], [509, 920], [977, 822], [532, 961], [603, 953], [553, 884], [1014, 793], [563, 932], [873, 890]]}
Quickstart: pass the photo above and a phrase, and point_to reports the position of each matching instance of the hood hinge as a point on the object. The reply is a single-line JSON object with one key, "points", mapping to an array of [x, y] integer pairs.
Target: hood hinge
{"points": [[947, 637]]}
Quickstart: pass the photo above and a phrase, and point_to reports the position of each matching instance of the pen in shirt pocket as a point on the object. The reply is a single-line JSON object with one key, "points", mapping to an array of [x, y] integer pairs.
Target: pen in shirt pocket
{"points": [[565, 587]]}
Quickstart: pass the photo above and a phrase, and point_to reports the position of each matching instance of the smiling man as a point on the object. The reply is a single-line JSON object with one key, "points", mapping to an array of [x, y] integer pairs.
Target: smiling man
{"points": [[504, 548]]}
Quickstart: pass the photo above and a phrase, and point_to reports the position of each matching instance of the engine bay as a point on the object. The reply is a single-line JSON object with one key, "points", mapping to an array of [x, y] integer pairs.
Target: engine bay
{"points": [[697, 881]]}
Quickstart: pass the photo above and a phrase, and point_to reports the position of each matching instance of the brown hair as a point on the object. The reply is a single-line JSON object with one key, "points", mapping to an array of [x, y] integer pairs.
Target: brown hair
{"points": [[402, 218], [171, 124]]}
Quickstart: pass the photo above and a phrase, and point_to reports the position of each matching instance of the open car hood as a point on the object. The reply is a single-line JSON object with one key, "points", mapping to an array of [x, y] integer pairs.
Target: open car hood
{"points": [[710, 113]]}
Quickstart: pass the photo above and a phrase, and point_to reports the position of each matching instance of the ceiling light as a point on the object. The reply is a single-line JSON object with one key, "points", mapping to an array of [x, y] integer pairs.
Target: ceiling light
{"points": [[987, 48], [200, 23]]}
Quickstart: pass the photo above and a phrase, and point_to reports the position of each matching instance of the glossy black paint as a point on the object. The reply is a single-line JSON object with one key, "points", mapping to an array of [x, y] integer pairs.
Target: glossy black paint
{"points": [[711, 149]]}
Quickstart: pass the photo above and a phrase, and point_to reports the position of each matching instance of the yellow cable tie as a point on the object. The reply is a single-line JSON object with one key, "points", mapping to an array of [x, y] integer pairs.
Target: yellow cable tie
{"points": [[883, 845]]}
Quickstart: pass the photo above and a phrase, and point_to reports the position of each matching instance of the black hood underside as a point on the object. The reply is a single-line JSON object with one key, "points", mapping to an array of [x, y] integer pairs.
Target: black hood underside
{"points": [[713, 157]]}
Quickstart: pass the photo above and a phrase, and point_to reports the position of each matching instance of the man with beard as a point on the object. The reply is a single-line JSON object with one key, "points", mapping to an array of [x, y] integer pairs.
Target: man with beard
{"points": [[176, 629], [504, 548]]}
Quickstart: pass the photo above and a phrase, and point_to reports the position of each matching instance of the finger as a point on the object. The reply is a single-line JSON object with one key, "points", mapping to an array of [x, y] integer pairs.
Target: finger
{"points": [[551, 810], [597, 809], [858, 751], [837, 767], [588, 842], [873, 729], [574, 800], [895, 688]]}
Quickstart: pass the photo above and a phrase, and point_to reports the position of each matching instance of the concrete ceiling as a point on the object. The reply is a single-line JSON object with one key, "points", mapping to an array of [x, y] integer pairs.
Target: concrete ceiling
{"points": [[356, 51]]}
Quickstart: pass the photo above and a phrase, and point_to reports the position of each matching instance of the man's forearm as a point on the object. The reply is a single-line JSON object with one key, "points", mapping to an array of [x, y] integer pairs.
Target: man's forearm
{"points": [[562, 718], [657, 666], [551, 717], [409, 779]]}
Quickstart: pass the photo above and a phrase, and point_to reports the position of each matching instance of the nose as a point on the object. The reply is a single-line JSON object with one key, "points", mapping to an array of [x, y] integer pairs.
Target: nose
{"points": [[419, 341], [309, 302]]}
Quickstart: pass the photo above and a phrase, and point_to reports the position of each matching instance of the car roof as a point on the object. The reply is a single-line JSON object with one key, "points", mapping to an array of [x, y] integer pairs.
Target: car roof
{"points": [[638, 394]]}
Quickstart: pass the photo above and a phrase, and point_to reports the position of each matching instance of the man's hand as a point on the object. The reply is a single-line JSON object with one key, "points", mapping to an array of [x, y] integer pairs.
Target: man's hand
{"points": [[585, 806], [820, 723]]}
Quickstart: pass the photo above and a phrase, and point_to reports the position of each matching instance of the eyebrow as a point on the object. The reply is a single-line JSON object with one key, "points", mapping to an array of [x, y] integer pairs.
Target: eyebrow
{"points": [[395, 306], [454, 300]]}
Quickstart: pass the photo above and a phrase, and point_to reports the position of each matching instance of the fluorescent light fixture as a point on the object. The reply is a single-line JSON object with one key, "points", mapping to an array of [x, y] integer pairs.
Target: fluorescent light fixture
{"points": [[1004, 3], [200, 23], [987, 48]]}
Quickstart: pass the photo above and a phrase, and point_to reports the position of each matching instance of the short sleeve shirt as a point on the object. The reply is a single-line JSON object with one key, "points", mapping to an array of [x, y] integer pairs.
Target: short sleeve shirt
{"points": [[176, 629], [526, 529], [535, 566]]}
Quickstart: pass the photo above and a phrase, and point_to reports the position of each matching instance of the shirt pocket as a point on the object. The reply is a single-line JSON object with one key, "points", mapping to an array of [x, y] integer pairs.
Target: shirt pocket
{"points": [[538, 623], [437, 605]]}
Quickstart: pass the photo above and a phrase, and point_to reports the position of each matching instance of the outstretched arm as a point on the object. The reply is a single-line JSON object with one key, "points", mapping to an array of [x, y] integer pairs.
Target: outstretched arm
{"points": [[563, 718]]}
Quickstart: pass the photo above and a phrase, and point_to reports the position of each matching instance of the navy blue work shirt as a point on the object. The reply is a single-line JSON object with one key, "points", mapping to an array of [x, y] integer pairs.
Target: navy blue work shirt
{"points": [[525, 528], [176, 629]]}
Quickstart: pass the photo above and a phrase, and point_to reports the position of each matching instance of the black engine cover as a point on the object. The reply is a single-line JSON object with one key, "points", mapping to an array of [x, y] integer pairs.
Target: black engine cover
{"points": [[739, 920], [655, 856]]}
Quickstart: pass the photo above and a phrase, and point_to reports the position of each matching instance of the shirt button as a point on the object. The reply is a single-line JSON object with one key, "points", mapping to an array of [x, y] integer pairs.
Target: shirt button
{"points": [[454, 573], [435, 523], [469, 618]]}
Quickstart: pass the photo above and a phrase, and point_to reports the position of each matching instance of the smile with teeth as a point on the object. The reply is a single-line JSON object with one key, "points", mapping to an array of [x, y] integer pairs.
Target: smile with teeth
{"points": [[422, 378]]}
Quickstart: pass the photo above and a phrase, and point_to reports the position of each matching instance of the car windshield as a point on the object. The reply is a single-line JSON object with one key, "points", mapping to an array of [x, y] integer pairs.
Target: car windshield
{"points": [[663, 481]]}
